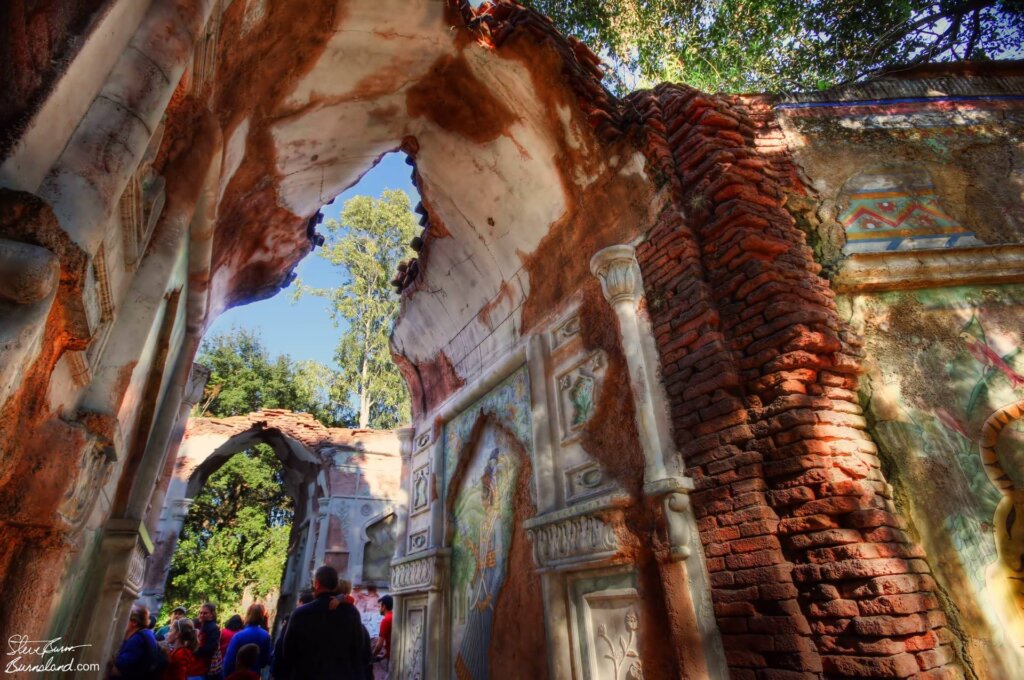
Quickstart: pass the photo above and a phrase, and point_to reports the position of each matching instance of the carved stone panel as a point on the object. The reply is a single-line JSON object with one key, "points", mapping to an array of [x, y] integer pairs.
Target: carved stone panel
{"points": [[419, 541], [420, 490], [585, 535], [413, 650], [612, 626], [605, 622], [93, 473], [565, 332], [418, 574], [578, 389], [585, 481]]}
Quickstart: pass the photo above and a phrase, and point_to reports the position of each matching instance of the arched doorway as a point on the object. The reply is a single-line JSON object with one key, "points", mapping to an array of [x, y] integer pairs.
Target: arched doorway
{"points": [[340, 481]]}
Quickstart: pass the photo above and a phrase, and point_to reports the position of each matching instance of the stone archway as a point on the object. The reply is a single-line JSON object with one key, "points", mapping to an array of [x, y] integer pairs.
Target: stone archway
{"points": [[336, 476]]}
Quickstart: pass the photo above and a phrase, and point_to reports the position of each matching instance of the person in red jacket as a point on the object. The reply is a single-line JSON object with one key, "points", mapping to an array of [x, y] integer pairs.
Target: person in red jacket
{"points": [[382, 647], [182, 640], [233, 625]]}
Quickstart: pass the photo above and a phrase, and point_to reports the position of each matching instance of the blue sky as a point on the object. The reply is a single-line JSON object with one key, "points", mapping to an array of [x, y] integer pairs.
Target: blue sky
{"points": [[304, 329]]}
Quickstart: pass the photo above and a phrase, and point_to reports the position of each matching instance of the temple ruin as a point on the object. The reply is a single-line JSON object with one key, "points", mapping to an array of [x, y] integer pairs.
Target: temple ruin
{"points": [[704, 386]]}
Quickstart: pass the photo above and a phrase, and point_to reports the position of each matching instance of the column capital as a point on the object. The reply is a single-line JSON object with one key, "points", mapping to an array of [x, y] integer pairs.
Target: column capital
{"points": [[180, 508], [324, 505], [405, 435], [619, 273]]}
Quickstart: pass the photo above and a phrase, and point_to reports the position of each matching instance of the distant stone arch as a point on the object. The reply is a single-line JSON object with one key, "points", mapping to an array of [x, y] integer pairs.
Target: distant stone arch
{"points": [[312, 456]]}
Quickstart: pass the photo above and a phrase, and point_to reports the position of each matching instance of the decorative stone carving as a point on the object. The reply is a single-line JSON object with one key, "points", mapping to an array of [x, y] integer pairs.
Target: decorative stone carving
{"points": [[583, 535], [420, 489], [675, 503], [418, 541], [622, 653], [613, 628], [585, 481], [565, 332], [133, 229], [578, 390], [617, 269], [78, 363], [418, 574], [93, 473], [423, 440], [136, 568], [102, 273], [412, 657]]}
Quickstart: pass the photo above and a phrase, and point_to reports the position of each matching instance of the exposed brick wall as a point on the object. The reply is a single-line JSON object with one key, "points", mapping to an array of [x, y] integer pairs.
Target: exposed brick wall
{"points": [[811, 569]]}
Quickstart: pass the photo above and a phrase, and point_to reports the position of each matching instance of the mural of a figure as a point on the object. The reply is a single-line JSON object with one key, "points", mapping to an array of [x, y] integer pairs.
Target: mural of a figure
{"points": [[483, 522], [1006, 576]]}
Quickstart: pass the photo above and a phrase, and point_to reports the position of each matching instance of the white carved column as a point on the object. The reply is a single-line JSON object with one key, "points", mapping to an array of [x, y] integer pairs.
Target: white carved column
{"points": [[323, 519], [124, 549], [698, 645], [405, 436], [619, 273]]}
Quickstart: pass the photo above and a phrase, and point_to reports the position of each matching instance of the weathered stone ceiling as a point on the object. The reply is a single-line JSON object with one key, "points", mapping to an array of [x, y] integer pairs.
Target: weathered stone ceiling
{"points": [[502, 148]]}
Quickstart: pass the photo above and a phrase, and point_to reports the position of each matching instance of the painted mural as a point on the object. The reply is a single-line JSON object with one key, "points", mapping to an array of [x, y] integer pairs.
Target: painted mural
{"points": [[898, 209], [509, 403], [483, 518], [947, 360]]}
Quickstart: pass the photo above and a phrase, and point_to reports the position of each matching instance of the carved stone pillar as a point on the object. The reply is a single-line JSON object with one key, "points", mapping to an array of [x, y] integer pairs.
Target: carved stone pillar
{"points": [[159, 565], [125, 547], [696, 640], [419, 584], [323, 520], [405, 435], [619, 273]]}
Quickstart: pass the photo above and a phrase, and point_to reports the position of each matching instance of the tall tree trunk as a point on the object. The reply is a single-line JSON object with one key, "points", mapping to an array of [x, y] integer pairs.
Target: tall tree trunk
{"points": [[364, 393]]}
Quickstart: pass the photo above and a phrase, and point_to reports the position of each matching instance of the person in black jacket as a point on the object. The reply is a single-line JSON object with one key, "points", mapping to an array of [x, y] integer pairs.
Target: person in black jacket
{"points": [[279, 668], [322, 643], [209, 643]]}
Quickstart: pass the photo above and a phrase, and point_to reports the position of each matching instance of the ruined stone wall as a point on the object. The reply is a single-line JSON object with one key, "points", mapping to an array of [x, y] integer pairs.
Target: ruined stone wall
{"points": [[633, 302], [345, 484], [914, 207], [39, 40]]}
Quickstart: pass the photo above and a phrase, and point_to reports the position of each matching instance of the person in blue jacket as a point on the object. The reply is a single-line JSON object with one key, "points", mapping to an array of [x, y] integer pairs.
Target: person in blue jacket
{"points": [[139, 656], [255, 632]]}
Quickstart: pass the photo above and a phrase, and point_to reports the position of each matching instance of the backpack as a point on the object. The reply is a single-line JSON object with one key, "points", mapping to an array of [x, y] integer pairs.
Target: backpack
{"points": [[216, 664]]}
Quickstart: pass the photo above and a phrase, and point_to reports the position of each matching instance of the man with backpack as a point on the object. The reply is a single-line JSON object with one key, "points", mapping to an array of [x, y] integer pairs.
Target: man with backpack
{"points": [[324, 642], [139, 657]]}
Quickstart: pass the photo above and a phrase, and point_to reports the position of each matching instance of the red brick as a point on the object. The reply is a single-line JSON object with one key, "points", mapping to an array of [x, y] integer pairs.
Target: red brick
{"points": [[893, 585], [761, 558], [898, 666], [833, 609], [828, 537], [758, 543], [887, 626], [837, 505], [898, 604]]}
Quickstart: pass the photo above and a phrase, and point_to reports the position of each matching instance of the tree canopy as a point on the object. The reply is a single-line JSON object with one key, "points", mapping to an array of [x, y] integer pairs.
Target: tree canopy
{"points": [[235, 539], [244, 379], [784, 45], [366, 245]]}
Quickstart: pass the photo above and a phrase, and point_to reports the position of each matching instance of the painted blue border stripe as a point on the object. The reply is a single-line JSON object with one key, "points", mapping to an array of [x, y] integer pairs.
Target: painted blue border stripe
{"points": [[904, 100]]}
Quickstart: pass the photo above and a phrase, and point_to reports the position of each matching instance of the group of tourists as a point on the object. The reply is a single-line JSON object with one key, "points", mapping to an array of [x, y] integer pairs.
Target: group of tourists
{"points": [[323, 639]]}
